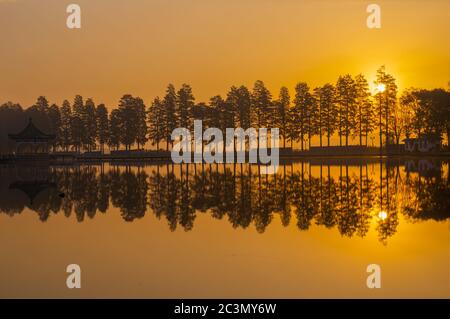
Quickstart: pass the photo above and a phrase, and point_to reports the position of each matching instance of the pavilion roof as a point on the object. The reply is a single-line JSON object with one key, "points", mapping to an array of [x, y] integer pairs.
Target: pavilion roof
{"points": [[31, 132], [32, 188]]}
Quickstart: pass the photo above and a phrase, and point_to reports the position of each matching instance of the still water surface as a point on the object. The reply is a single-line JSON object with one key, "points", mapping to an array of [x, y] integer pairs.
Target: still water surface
{"points": [[218, 231]]}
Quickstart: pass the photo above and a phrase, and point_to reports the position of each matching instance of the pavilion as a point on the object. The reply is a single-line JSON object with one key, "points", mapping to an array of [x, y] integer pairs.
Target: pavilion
{"points": [[32, 141], [32, 188]]}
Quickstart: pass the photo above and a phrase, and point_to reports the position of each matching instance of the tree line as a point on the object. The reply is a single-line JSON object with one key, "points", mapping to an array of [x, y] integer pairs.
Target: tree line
{"points": [[346, 109]]}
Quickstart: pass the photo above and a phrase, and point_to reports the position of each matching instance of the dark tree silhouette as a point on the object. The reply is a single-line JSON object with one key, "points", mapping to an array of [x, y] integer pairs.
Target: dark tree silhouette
{"points": [[101, 117], [114, 129], [170, 107], [346, 100], [66, 126], [281, 118], [303, 103], [156, 120]]}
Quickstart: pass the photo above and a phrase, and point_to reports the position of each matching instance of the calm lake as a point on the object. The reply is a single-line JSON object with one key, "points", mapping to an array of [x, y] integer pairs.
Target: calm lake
{"points": [[227, 231]]}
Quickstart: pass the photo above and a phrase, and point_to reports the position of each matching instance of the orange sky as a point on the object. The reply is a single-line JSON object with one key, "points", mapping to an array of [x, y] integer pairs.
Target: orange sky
{"points": [[138, 47]]}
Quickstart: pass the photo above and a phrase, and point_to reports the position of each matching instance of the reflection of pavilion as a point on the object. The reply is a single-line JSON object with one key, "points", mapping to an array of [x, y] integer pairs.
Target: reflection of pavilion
{"points": [[32, 141], [425, 167], [32, 188]]}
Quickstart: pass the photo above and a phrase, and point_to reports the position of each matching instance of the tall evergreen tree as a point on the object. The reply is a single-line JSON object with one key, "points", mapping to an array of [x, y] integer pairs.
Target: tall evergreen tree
{"points": [[282, 110], [128, 120], [115, 128], [39, 113], [330, 110], [42, 104], [141, 125], [76, 131], [410, 105], [90, 125], [299, 115], [345, 97], [241, 101], [261, 105], [226, 114], [312, 115], [223, 114], [77, 126], [101, 115], [364, 116], [156, 120], [54, 115], [327, 111], [170, 107], [201, 111], [66, 129], [216, 103], [185, 103], [387, 101]]}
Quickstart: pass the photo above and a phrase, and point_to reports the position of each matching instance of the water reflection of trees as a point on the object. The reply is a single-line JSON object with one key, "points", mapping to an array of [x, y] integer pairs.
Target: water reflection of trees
{"points": [[337, 196]]}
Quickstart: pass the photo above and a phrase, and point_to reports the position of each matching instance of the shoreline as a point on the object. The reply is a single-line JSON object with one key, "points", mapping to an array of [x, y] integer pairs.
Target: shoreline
{"points": [[156, 158]]}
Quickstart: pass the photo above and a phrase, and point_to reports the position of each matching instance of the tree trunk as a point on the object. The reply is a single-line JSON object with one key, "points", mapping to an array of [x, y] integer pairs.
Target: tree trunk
{"points": [[346, 125], [301, 142], [360, 127], [320, 123], [387, 123], [309, 141]]}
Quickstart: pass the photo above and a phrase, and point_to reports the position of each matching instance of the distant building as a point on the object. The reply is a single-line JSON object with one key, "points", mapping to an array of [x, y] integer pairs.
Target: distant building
{"points": [[32, 141], [423, 144]]}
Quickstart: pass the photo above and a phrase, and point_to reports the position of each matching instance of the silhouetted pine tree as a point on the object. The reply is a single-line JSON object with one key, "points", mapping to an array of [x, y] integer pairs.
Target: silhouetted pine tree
{"points": [[156, 121], [327, 111], [185, 103], [261, 105], [241, 101], [101, 115], [170, 106], [345, 97], [66, 128], [77, 125], [128, 120], [55, 124], [388, 100], [141, 125], [281, 118], [90, 125], [364, 116], [114, 129], [302, 103]]}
